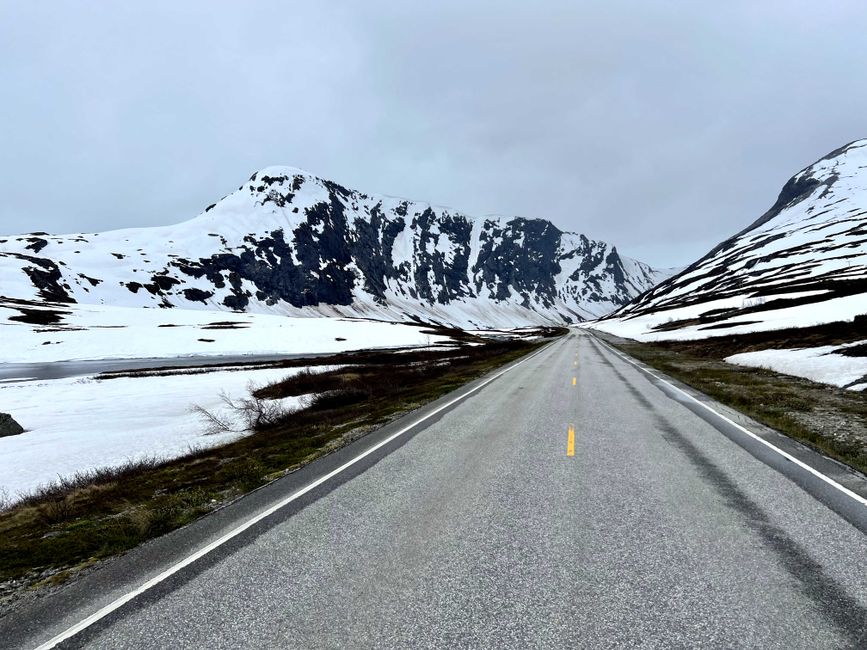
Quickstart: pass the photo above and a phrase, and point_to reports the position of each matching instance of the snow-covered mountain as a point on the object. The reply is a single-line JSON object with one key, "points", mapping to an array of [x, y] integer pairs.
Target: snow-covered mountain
{"points": [[287, 242], [802, 263]]}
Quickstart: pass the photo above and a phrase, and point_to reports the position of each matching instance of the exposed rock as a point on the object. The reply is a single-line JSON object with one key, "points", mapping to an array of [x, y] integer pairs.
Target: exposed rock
{"points": [[8, 426]]}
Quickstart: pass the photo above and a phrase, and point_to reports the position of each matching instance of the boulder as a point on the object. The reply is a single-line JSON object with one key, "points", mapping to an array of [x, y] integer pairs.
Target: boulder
{"points": [[8, 426]]}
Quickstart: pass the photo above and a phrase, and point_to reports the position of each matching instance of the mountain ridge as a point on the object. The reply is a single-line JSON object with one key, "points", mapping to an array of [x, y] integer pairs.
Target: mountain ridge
{"points": [[809, 248], [290, 242]]}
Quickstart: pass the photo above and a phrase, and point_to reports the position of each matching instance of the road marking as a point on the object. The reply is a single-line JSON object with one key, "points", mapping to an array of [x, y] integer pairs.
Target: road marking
{"points": [[784, 454], [570, 443], [574, 380], [202, 552]]}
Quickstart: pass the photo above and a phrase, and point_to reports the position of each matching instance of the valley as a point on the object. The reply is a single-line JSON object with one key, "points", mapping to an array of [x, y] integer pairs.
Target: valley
{"points": [[570, 481], [188, 370], [452, 325]]}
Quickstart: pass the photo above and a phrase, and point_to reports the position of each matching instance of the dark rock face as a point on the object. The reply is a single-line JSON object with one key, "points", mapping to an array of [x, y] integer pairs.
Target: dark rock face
{"points": [[8, 426], [521, 256], [436, 278], [47, 277], [372, 250], [36, 244], [197, 295], [317, 268], [794, 191]]}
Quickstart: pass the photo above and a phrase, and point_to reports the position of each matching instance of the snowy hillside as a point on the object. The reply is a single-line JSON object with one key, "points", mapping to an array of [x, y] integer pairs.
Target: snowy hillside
{"points": [[802, 263], [800, 266], [293, 244]]}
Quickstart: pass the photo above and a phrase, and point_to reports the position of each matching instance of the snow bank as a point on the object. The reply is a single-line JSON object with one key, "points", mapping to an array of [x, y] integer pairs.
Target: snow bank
{"points": [[819, 364], [82, 423]]}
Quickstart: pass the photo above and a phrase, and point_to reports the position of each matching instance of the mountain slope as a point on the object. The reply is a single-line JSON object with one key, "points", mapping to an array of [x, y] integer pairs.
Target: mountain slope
{"points": [[803, 262], [290, 243]]}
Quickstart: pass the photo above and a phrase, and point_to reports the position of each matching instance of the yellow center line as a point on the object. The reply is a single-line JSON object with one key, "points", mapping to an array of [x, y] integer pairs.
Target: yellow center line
{"points": [[574, 381], [570, 444]]}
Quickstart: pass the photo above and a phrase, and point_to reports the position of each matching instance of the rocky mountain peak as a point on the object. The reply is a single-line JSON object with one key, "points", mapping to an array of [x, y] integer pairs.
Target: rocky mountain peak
{"points": [[288, 241]]}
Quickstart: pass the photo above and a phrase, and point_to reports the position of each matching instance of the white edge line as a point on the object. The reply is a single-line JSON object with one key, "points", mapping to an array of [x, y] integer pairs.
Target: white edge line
{"points": [[190, 559], [784, 454]]}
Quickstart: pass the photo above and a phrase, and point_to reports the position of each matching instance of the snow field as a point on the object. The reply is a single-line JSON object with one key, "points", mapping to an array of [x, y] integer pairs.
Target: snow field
{"points": [[103, 332], [819, 364], [77, 424]]}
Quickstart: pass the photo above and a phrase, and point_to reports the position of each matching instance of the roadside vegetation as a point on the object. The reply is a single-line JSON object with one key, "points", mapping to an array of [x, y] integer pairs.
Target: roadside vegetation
{"points": [[829, 419], [53, 533]]}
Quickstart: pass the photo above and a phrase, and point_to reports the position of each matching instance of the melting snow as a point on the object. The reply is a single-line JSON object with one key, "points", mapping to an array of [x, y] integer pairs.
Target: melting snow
{"points": [[82, 423], [819, 364], [102, 332]]}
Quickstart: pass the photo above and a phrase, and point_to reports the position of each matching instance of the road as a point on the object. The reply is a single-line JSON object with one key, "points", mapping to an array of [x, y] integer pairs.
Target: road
{"points": [[569, 503]]}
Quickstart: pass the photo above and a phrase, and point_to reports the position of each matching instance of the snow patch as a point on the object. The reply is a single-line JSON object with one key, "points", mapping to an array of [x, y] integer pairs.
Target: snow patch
{"points": [[78, 424], [819, 364]]}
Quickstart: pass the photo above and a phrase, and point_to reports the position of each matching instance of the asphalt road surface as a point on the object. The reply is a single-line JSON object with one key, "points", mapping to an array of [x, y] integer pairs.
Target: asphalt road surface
{"points": [[569, 503]]}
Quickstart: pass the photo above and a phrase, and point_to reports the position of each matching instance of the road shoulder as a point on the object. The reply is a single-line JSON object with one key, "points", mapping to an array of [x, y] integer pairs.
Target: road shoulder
{"points": [[774, 448]]}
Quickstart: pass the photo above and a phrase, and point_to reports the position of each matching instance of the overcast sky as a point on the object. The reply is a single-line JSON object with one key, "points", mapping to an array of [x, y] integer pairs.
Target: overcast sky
{"points": [[662, 127]]}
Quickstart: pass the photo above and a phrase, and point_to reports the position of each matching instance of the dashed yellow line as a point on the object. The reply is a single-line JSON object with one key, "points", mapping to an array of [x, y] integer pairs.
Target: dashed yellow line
{"points": [[570, 443], [574, 381]]}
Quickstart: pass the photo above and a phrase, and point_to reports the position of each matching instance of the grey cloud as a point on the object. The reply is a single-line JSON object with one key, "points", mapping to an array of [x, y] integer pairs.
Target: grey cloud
{"points": [[662, 127]]}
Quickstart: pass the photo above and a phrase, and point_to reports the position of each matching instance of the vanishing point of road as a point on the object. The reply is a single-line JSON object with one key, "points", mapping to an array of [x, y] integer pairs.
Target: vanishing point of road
{"points": [[569, 503]]}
